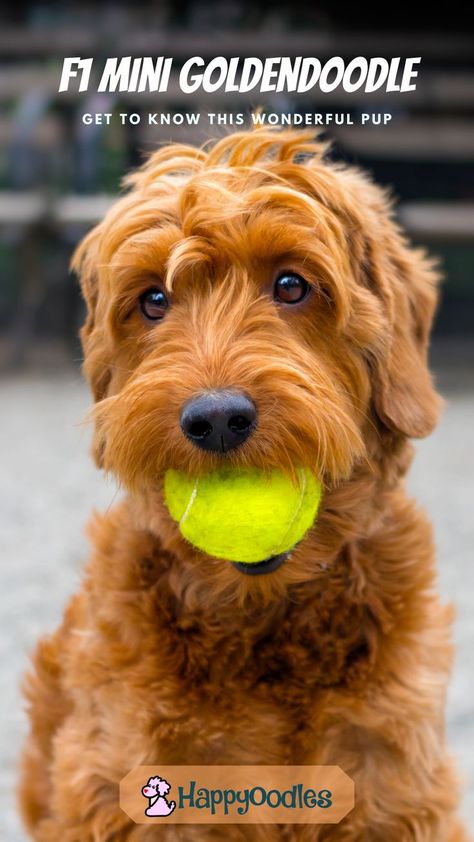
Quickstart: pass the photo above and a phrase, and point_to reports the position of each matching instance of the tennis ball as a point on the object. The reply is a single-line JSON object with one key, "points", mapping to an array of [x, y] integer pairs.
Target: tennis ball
{"points": [[243, 515]]}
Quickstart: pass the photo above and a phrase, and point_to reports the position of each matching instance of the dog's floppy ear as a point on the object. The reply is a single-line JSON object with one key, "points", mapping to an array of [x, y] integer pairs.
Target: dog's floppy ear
{"points": [[85, 264], [93, 333], [406, 280]]}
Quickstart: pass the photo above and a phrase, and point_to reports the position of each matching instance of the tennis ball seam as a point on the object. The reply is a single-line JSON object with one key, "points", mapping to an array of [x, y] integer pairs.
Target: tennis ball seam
{"points": [[296, 513], [189, 504]]}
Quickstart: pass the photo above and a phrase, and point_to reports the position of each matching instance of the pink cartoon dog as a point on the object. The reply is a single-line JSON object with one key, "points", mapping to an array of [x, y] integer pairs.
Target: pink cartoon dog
{"points": [[155, 791]]}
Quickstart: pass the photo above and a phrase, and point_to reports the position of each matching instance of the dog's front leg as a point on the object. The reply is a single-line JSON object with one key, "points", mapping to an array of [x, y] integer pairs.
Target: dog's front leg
{"points": [[405, 786]]}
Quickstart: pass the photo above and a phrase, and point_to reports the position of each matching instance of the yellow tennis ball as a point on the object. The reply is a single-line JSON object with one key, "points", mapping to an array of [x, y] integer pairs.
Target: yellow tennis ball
{"points": [[243, 515]]}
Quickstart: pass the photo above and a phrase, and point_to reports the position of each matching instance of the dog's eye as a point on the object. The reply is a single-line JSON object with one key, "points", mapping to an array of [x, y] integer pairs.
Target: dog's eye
{"points": [[154, 304], [290, 288]]}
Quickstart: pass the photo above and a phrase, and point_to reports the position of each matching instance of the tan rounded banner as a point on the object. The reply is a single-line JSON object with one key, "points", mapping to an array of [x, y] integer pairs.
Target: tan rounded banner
{"points": [[236, 794]]}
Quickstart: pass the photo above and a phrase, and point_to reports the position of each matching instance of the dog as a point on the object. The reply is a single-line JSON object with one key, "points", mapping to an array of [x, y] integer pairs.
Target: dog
{"points": [[260, 272], [156, 791]]}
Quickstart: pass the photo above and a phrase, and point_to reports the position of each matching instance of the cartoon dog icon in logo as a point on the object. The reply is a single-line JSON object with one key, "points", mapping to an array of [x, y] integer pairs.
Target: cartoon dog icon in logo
{"points": [[155, 790]]}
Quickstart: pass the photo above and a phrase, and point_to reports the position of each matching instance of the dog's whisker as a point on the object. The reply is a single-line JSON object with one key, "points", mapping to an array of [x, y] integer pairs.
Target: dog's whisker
{"points": [[114, 497]]}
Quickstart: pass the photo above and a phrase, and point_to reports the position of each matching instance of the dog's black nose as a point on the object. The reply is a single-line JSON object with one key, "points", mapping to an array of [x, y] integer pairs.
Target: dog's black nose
{"points": [[218, 421]]}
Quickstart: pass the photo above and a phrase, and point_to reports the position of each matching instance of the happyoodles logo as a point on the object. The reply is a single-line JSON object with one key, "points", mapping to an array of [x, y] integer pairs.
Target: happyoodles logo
{"points": [[236, 794], [156, 791]]}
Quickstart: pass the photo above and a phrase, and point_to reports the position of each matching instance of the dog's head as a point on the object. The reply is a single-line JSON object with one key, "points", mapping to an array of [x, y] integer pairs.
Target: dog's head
{"points": [[156, 786], [253, 304]]}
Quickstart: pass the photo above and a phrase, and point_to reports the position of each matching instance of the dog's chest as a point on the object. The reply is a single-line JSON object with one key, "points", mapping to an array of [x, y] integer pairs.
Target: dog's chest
{"points": [[258, 700], [232, 720], [298, 656]]}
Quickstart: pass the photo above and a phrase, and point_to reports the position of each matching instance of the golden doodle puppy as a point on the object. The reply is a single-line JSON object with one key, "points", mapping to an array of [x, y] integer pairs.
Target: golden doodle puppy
{"points": [[266, 293]]}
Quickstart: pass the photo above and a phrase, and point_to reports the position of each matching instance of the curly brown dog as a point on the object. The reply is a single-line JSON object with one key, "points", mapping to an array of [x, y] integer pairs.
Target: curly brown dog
{"points": [[263, 274]]}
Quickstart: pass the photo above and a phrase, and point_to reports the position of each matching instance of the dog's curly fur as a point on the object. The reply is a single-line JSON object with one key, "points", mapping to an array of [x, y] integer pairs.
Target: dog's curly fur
{"points": [[168, 656]]}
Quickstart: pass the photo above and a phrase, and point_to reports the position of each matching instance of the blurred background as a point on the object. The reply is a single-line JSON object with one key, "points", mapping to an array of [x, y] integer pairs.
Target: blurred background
{"points": [[57, 177]]}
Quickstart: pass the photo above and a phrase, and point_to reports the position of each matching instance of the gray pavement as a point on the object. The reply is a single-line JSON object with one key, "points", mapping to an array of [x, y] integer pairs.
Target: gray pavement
{"points": [[49, 485]]}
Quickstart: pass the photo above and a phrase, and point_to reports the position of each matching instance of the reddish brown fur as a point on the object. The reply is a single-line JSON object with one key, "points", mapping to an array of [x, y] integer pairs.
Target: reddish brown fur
{"points": [[168, 656]]}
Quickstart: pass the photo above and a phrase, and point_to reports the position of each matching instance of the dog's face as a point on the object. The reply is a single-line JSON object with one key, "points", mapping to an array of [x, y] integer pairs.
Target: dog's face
{"points": [[253, 305], [156, 786]]}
